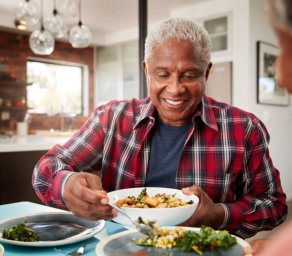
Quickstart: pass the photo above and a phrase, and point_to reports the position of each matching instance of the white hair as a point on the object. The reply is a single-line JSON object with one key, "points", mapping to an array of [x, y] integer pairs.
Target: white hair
{"points": [[279, 13], [180, 28]]}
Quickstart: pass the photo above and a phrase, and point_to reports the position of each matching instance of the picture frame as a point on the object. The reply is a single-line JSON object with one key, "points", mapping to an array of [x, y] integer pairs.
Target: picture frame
{"points": [[269, 90]]}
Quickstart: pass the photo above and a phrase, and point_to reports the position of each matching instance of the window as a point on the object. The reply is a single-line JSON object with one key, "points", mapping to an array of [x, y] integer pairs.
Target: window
{"points": [[56, 88]]}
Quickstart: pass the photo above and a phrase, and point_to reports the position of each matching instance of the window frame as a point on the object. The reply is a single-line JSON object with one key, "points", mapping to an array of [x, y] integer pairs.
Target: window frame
{"points": [[84, 81]]}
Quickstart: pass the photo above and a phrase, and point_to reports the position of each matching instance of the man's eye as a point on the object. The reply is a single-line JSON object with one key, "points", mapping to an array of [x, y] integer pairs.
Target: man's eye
{"points": [[162, 75], [191, 76]]}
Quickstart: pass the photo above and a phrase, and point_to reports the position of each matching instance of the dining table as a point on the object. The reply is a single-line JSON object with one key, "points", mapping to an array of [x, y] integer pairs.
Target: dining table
{"points": [[22, 208]]}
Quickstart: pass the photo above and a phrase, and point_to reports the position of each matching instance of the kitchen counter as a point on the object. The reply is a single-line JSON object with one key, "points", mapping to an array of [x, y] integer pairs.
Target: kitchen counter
{"points": [[31, 142], [18, 158]]}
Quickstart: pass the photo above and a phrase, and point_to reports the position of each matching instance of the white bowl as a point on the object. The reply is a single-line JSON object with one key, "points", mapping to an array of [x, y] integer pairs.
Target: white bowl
{"points": [[163, 216]]}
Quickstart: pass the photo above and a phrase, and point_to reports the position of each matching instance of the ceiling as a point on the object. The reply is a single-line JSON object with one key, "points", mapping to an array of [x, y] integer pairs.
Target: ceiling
{"points": [[102, 16]]}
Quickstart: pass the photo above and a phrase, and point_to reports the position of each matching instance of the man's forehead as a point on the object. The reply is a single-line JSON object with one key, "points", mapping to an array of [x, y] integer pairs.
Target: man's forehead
{"points": [[174, 43]]}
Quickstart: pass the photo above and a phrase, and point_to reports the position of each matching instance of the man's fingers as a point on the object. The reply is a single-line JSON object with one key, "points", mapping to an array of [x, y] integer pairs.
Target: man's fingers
{"points": [[82, 208], [85, 202], [83, 191], [192, 190], [93, 196]]}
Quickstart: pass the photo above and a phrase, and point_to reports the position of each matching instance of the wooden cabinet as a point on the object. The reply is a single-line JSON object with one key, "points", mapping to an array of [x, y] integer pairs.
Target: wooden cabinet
{"points": [[13, 102]]}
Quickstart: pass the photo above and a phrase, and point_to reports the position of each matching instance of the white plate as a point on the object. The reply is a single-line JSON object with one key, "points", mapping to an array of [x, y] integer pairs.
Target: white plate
{"points": [[69, 229], [1, 250], [121, 243], [162, 216]]}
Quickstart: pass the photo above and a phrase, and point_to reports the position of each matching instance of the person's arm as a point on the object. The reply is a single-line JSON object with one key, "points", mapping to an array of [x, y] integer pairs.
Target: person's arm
{"points": [[260, 204], [82, 153]]}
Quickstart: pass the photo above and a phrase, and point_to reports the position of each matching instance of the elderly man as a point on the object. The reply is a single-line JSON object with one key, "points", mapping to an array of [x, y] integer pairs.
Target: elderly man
{"points": [[177, 137]]}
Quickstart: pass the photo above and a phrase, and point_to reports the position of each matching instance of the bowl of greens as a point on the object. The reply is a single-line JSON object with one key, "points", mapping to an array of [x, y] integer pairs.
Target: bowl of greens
{"points": [[168, 207]]}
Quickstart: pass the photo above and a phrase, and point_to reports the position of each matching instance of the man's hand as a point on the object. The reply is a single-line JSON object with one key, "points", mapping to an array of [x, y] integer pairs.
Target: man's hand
{"points": [[207, 213], [84, 196]]}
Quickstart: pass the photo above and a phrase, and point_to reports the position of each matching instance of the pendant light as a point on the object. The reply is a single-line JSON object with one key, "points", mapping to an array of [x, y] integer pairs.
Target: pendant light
{"points": [[41, 41], [55, 24], [26, 13], [80, 35], [68, 8]]}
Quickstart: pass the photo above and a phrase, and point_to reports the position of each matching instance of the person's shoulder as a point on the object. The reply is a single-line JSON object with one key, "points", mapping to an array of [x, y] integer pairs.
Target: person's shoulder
{"points": [[236, 113]]}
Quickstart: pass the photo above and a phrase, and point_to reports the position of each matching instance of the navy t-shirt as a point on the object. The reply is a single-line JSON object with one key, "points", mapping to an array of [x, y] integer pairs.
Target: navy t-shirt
{"points": [[166, 149]]}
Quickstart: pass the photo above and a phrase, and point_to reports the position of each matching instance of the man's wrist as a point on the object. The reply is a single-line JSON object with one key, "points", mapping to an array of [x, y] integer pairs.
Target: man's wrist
{"points": [[219, 216], [58, 186]]}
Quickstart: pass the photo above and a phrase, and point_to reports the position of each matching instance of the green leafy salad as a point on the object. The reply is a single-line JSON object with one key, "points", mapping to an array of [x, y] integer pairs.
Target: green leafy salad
{"points": [[20, 233], [207, 239]]}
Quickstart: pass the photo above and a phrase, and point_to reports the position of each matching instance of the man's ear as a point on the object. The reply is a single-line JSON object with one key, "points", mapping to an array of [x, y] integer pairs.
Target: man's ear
{"points": [[145, 68], [208, 70], [146, 75]]}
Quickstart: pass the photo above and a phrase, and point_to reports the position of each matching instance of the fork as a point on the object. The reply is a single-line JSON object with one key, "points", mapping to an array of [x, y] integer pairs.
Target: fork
{"points": [[76, 252], [142, 228]]}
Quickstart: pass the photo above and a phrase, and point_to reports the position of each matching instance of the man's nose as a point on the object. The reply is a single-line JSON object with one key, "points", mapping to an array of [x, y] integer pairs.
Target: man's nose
{"points": [[175, 85]]}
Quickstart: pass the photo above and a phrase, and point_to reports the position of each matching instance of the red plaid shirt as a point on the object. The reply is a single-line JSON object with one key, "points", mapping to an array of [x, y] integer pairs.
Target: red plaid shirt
{"points": [[225, 153]]}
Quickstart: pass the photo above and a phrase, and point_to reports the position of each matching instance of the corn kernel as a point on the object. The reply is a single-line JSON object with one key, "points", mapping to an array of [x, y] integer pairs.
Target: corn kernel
{"points": [[165, 231]]}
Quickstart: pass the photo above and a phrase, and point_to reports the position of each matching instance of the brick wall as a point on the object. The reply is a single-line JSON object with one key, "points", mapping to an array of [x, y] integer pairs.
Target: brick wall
{"points": [[14, 52]]}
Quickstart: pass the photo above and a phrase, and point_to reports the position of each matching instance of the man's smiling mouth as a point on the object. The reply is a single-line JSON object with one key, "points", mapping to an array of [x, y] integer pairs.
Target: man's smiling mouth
{"points": [[174, 102]]}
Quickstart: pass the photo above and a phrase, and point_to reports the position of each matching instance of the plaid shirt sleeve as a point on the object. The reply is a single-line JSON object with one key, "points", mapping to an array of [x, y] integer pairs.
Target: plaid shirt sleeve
{"points": [[262, 204], [83, 152]]}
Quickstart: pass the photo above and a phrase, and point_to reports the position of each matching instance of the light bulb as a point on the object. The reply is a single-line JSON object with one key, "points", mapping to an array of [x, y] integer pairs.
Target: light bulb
{"points": [[68, 7], [55, 25], [41, 42], [27, 13], [80, 36]]}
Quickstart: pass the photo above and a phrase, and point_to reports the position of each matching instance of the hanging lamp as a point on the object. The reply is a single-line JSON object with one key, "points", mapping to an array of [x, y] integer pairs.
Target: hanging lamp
{"points": [[80, 35], [26, 13], [68, 8], [55, 24], [41, 41]]}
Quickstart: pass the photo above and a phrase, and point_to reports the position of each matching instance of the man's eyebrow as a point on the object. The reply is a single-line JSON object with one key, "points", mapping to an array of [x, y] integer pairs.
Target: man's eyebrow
{"points": [[193, 69], [160, 68]]}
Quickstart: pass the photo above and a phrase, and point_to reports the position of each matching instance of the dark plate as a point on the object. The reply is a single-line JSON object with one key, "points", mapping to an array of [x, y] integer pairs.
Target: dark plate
{"points": [[122, 243], [54, 228]]}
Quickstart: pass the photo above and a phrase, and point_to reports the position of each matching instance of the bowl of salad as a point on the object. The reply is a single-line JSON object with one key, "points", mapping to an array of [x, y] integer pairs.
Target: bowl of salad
{"points": [[168, 207]]}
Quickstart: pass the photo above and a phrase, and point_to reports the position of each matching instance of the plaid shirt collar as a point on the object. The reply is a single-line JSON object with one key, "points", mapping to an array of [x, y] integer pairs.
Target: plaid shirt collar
{"points": [[204, 111]]}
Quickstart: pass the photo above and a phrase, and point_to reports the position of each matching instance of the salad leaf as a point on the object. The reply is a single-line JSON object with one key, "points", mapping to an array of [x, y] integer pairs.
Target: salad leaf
{"points": [[208, 240], [141, 195], [20, 233]]}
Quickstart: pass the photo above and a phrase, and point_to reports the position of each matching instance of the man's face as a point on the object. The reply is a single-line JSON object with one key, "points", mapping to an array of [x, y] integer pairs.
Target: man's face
{"points": [[176, 80], [284, 61]]}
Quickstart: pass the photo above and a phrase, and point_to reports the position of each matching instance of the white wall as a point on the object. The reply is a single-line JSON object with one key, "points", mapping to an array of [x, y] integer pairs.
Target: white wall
{"points": [[249, 24], [277, 119], [239, 52]]}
